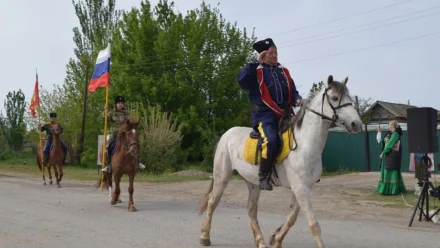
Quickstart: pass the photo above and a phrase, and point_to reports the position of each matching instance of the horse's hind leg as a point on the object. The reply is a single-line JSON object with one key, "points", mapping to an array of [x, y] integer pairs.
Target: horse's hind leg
{"points": [[221, 177], [303, 198], [277, 238], [254, 195], [131, 206]]}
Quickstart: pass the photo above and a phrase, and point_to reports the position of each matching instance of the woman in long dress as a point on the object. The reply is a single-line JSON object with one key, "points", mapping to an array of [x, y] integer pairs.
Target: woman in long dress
{"points": [[391, 180]]}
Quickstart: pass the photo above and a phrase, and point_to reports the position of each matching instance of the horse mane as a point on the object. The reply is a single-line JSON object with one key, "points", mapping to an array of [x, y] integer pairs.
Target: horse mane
{"points": [[337, 86]]}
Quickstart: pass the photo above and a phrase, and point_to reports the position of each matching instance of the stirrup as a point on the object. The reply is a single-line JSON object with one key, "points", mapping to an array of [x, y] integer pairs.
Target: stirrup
{"points": [[141, 166], [266, 185], [106, 169]]}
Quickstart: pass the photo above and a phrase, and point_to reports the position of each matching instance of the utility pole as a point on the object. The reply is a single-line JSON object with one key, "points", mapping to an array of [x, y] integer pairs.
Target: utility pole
{"points": [[357, 105], [84, 110]]}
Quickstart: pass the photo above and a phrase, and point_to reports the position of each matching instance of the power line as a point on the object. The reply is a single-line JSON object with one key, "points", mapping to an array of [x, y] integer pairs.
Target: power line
{"points": [[362, 30], [315, 58], [341, 18], [166, 63], [309, 26], [171, 62], [361, 25], [365, 48]]}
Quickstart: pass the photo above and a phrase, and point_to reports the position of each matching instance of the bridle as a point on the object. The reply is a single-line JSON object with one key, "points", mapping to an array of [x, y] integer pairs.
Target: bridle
{"points": [[127, 147], [335, 118]]}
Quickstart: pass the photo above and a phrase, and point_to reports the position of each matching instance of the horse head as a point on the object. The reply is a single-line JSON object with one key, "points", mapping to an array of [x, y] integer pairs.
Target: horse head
{"points": [[128, 136], [56, 129], [336, 106]]}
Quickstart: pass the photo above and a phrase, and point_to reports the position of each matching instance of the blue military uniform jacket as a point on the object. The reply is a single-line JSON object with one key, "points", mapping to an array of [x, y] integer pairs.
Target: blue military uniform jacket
{"points": [[270, 88]]}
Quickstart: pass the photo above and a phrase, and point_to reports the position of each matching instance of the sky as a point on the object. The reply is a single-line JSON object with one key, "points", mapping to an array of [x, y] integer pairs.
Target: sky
{"points": [[389, 49]]}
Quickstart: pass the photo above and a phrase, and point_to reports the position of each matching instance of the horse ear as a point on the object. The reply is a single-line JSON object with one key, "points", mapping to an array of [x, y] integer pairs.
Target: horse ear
{"points": [[330, 80], [128, 122], [345, 80]]}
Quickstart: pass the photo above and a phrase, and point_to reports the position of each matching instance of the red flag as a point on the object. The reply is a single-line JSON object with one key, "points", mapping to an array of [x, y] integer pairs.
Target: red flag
{"points": [[35, 98]]}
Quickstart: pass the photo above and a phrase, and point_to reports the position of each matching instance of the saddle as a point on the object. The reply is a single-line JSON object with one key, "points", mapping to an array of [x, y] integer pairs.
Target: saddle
{"points": [[253, 149]]}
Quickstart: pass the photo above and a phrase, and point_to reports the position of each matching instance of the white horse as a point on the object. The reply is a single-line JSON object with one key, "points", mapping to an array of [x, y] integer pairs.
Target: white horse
{"points": [[299, 171]]}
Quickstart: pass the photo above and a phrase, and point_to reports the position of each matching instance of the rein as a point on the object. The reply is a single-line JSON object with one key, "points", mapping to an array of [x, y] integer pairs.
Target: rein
{"points": [[333, 119], [127, 147]]}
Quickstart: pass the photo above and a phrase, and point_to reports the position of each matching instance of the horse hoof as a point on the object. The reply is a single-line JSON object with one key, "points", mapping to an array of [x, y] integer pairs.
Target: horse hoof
{"points": [[205, 242], [113, 203], [132, 209], [44, 183], [50, 182], [119, 201], [59, 186]]}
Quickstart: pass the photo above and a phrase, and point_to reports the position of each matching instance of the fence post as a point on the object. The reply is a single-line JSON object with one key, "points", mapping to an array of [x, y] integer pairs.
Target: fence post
{"points": [[367, 149]]}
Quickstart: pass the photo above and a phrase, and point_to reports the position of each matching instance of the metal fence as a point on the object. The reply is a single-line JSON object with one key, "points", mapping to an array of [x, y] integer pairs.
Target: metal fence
{"points": [[361, 151]]}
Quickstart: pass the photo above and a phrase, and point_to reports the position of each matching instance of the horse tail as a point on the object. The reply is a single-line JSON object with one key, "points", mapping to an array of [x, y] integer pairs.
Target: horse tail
{"points": [[205, 198], [104, 181]]}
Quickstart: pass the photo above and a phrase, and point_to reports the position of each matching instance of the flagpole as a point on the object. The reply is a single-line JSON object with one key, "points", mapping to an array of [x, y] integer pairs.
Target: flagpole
{"points": [[39, 131], [107, 89], [41, 140], [105, 134]]}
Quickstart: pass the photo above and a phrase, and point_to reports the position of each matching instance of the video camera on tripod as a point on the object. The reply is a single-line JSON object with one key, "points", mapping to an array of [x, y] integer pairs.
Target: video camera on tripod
{"points": [[422, 138]]}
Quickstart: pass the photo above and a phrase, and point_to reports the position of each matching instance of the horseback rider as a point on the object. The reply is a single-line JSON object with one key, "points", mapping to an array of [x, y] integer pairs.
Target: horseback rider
{"points": [[49, 138], [273, 91], [116, 119]]}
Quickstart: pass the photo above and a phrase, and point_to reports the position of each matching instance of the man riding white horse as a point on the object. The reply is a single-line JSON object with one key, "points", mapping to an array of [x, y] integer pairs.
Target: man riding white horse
{"points": [[273, 91]]}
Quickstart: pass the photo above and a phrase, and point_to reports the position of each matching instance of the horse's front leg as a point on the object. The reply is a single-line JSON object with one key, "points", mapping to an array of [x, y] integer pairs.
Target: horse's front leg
{"points": [[49, 167], [277, 238], [55, 169], [131, 206], [254, 195], [303, 197], [60, 168], [117, 192]]}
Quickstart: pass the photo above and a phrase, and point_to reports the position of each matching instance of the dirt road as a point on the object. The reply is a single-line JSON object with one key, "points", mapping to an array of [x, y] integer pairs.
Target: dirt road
{"points": [[33, 215]]}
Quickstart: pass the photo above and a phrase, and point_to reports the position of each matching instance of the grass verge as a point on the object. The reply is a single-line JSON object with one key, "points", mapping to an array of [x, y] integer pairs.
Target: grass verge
{"points": [[17, 169]]}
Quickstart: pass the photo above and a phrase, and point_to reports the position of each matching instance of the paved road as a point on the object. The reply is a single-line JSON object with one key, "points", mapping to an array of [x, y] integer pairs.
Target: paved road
{"points": [[33, 215]]}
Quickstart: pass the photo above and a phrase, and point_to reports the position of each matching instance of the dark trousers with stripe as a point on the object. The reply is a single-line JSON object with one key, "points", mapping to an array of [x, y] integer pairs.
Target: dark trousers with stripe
{"points": [[268, 130], [266, 123]]}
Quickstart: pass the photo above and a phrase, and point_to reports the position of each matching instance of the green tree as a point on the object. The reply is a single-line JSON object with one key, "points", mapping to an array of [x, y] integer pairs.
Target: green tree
{"points": [[315, 88], [13, 126], [97, 19], [185, 64]]}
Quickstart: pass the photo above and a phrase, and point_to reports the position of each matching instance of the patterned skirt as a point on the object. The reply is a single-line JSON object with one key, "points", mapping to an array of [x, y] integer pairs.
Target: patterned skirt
{"points": [[391, 181]]}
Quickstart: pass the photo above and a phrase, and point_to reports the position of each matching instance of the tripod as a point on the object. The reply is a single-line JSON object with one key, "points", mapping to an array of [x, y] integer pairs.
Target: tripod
{"points": [[424, 195]]}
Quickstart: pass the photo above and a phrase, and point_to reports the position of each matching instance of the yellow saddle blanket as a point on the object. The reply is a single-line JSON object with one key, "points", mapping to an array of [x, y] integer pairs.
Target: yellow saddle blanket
{"points": [[252, 148]]}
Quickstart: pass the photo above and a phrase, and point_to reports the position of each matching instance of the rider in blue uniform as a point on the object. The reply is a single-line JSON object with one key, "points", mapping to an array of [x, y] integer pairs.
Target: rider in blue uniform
{"points": [[273, 91], [49, 137]]}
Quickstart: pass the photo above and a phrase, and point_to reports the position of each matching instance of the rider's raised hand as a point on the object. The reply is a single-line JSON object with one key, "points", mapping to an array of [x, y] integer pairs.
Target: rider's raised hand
{"points": [[260, 57]]}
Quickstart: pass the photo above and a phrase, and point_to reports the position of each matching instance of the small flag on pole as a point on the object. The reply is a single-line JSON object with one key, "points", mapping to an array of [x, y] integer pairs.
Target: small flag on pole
{"points": [[35, 98], [101, 74]]}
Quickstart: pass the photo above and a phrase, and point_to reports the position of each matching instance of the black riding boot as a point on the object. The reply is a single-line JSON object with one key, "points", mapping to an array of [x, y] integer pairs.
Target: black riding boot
{"points": [[264, 174], [107, 160]]}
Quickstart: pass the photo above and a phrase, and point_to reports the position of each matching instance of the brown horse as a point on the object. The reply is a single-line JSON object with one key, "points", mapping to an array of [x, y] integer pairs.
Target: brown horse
{"points": [[55, 157], [123, 162]]}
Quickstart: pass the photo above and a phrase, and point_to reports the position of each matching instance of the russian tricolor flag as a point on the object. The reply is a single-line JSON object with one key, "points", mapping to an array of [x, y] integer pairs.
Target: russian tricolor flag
{"points": [[101, 74]]}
